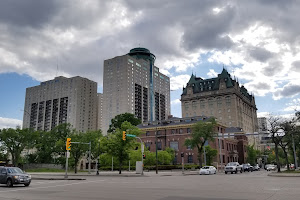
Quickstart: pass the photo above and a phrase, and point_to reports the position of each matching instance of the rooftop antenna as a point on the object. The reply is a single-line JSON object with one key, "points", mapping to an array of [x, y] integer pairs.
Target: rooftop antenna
{"points": [[56, 69]]}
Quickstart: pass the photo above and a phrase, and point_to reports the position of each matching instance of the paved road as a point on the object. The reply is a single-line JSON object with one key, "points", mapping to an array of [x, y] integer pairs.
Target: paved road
{"points": [[255, 185]]}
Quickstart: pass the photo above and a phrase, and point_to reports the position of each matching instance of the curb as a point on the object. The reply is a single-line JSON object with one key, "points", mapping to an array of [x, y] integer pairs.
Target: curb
{"points": [[68, 179], [275, 174]]}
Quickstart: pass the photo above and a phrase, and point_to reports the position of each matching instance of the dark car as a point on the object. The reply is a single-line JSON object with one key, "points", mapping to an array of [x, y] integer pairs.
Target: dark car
{"points": [[14, 175], [247, 167]]}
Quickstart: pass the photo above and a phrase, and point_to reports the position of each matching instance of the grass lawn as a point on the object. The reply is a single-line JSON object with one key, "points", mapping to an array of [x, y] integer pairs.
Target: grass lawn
{"points": [[47, 170], [291, 171]]}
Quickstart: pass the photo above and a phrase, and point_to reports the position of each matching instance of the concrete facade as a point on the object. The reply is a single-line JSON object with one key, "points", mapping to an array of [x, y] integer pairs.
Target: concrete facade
{"points": [[223, 98], [127, 83], [61, 100]]}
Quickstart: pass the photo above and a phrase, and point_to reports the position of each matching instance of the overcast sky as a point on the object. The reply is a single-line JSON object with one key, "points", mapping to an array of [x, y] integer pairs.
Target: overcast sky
{"points": [[257, 41]]}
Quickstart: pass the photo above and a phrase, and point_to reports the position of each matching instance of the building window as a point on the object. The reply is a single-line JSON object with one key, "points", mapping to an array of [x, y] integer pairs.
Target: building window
{"points": [[194, 104], [210, 102], [189, 147], [186, 105], [228, 100], [219, 102], [222, 144], [173, 131], [188, 130], [159, 146], [190, 159], [147, 133], [180, 131], [147, 145], [202, 104], [174, 145]]}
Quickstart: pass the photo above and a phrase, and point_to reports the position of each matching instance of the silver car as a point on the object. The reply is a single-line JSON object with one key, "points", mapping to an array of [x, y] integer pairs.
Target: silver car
{"points": [[233, 167]]}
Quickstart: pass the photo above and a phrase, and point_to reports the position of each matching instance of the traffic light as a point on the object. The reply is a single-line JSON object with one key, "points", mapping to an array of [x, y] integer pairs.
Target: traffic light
{"points": [[68, 144], [144, 156], [124, 135]]}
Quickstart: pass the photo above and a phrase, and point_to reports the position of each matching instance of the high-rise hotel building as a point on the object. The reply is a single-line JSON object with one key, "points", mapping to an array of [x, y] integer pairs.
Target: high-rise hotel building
{"points": [[133, 84], [62, 100]]}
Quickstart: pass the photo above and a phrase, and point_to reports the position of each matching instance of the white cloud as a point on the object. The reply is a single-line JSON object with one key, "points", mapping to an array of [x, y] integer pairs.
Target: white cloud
{"points": [[9, 122], [175, 102], [294, 105], [212, 73], [177, 82], [263, 114]]}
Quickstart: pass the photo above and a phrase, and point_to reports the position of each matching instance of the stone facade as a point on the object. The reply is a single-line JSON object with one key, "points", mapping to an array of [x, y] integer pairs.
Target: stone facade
{"points": [[223, 98]]}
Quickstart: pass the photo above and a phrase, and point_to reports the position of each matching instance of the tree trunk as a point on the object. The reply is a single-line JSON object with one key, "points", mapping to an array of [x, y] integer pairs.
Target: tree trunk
{"points": [[120, 167], [286, 159], [200, 159], [277, 158]]}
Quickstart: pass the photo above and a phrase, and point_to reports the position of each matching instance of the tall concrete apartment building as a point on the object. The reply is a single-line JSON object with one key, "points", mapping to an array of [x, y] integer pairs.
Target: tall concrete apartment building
{"points": [[133, 84], [223, 98], [62, 100]]}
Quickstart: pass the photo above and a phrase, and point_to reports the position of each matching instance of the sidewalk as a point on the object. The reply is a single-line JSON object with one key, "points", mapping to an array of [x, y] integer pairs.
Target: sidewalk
{"points": [[83, 175]]}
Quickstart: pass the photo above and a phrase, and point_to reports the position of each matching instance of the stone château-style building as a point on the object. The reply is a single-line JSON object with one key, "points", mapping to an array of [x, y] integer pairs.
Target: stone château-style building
{"points": [[223, 98]]}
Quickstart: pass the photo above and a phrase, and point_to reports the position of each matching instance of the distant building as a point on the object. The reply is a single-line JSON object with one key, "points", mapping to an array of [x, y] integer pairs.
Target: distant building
{"points": [[133, 84], [100, 111], [62, 100], [264, 135], [173, 132], [223, 98]]}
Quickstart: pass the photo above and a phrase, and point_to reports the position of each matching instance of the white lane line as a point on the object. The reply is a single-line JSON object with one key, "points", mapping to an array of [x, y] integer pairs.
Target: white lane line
{"points": [[34, 188]]}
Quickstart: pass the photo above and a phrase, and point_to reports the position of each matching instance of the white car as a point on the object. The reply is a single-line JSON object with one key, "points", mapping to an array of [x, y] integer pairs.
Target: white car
{"points": [[208, 170], [270, 167]]}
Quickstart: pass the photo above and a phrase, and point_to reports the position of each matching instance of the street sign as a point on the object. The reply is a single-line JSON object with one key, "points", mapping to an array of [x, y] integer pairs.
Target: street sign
{"points": [[130, 135], [142, 147], [68, 154]]}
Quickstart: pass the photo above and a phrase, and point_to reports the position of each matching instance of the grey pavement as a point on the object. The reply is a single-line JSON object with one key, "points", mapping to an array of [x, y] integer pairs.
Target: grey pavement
{"points": [[250, 185]]}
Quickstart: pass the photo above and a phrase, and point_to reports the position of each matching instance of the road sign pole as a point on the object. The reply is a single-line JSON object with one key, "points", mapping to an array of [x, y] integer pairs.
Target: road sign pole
{"points": [[90, 159], [182, 161]]}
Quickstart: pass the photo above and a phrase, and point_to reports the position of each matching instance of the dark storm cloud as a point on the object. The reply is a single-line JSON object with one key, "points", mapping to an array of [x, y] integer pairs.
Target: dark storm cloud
{"points": [[209, 32], [261, 86], [40, 32], [260, 54], [31, 13], [288, 91], [296, 66], [273, 68]]}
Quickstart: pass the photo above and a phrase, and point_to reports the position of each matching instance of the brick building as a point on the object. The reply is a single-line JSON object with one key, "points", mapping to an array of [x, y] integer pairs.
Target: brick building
{"points": [[173, 132]]}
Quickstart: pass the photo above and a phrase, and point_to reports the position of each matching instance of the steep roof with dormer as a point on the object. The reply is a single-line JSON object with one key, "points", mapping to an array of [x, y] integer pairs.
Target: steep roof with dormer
{"points": [[203, 85]]}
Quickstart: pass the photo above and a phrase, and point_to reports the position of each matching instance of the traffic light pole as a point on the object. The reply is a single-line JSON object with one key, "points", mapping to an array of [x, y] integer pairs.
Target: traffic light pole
{"points": [[142, 150], [67, 156]]}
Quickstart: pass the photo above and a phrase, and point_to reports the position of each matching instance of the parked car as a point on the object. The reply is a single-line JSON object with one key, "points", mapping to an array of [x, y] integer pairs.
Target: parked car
{"points": [[14, 175], [270, 167], [208, 170], [256, 167], [233, 167], [247, 167]]}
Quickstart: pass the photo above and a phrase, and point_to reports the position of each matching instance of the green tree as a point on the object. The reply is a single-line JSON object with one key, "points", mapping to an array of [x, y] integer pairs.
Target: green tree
{"points": [[274, 127], [201, 132], [252, 155], [117, 121], [210, 154], [119, 148], [16, 140]]}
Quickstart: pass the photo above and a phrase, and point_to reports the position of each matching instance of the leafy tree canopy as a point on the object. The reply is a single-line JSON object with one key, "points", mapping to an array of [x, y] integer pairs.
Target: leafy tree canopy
{"points": [[117, 121]]}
